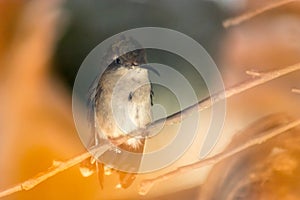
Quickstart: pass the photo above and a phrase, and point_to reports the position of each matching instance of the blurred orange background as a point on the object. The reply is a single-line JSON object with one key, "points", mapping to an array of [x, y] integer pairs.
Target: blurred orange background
{"points": [[36, 124]]}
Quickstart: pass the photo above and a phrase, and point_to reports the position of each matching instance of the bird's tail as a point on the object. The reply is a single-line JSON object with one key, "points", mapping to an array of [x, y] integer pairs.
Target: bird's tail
{"points": [[124, 157]]}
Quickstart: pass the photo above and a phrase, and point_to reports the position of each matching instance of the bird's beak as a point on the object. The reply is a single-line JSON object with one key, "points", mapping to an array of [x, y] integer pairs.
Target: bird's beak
{"points": [[150, 68]]}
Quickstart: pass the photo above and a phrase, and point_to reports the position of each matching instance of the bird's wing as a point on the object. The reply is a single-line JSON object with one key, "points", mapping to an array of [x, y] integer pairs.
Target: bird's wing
{"points": [[88, 166]]}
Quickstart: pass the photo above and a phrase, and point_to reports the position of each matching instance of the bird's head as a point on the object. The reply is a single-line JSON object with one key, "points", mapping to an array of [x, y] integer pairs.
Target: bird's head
{"points": [[123, 57]]}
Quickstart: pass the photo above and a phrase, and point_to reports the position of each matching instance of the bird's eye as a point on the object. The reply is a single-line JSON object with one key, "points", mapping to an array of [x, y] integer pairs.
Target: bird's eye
{"points": [[118, 61]]}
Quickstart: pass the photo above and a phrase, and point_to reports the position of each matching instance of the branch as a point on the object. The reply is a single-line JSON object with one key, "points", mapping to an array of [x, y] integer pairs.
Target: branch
{"points": [[259, 78], [172, 119], [147, 184], [295, 90], [57, 167], [249, 15]]}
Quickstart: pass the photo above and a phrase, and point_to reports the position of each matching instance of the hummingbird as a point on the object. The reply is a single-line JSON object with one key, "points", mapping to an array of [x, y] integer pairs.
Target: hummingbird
{"points": [[121, 101]]}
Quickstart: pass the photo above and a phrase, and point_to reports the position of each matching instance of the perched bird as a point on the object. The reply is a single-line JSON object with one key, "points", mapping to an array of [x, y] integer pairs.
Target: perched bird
{"points": [[121, 102]]}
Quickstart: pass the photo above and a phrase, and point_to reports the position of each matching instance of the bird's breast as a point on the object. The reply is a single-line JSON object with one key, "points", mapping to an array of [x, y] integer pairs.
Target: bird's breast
{"points": [[124, 104]]}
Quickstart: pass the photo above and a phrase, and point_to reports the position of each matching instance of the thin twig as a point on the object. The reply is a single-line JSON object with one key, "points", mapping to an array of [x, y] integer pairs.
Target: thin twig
{"points": [[249, 15], [172, 119], [53, 170], [295, 90], [57, 167], [146, 185], [260, 78], [253, 73]]}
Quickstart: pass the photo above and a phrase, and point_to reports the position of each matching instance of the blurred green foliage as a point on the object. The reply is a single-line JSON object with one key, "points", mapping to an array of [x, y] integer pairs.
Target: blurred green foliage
{"points": [[91, 22]]}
